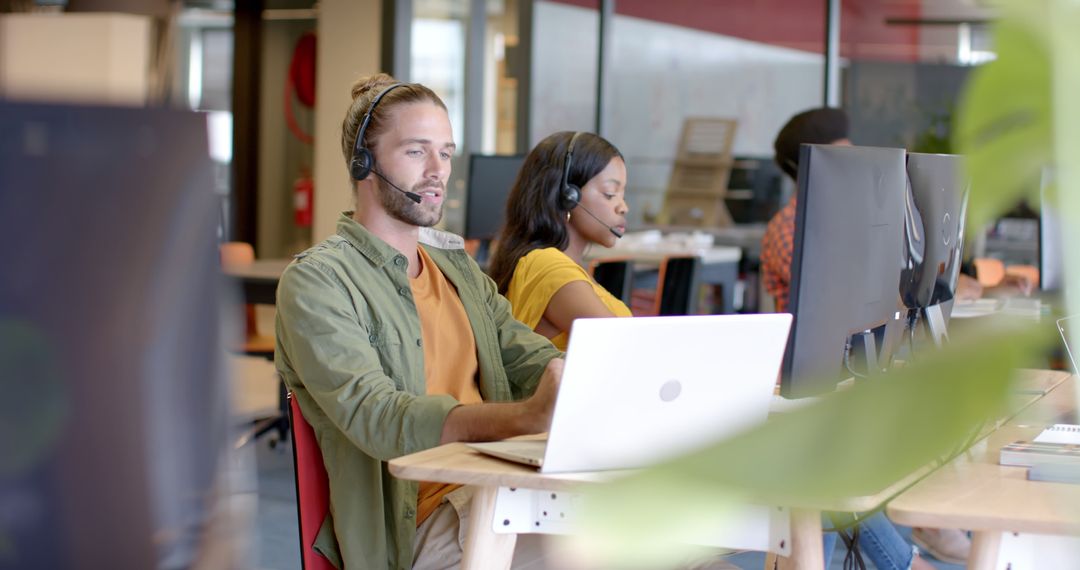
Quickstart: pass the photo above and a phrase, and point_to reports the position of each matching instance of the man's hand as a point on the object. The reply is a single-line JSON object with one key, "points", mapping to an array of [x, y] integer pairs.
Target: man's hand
{"points": [[541, 404], [495, 421], [1020, 283], [968, 288]]}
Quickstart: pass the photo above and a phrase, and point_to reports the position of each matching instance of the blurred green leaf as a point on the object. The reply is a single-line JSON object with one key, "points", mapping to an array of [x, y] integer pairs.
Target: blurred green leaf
{"points": [[853, 443], [1004, 122]]}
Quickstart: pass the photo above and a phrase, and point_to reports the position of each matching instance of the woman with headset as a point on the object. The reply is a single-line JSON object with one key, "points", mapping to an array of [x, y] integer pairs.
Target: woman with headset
{"points": [[569, 194]]}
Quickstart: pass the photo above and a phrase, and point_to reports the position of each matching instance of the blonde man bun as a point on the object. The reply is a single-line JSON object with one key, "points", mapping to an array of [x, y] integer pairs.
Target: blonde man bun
{"points": [[363, 91]]}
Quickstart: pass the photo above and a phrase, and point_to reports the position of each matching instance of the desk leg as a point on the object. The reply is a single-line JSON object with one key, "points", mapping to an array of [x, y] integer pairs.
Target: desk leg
{"points": [[807, 552], [483, 548], [984, 549]]}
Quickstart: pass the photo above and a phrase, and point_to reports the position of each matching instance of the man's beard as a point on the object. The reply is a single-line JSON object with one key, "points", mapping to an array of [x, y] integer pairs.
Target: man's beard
{"points": [[401, 208]]}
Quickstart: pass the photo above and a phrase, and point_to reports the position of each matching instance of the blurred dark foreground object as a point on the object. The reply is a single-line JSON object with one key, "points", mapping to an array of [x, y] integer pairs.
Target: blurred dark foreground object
{"points": [[114, 407]]}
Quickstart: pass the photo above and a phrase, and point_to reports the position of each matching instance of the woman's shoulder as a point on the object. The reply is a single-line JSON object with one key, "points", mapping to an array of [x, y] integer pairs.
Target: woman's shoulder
{"points": [[547, 258], [547, 254], [546, 265]]}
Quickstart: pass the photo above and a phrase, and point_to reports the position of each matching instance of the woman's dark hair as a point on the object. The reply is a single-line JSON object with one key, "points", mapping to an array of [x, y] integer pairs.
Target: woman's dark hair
{"points": [[534, 219]]}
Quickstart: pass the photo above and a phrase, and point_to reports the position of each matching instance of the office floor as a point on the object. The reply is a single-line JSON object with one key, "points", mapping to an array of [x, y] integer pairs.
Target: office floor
{"points": [[275, 523], [278, 545]]}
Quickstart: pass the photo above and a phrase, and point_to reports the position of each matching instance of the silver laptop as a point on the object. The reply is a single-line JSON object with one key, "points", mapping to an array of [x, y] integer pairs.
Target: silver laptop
{"points": [[636, 391], [1067, 326]]}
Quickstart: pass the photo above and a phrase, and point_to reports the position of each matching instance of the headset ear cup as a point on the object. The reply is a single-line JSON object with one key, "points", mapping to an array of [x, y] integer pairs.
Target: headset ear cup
{"points": [[570, 197], [361, 164]]}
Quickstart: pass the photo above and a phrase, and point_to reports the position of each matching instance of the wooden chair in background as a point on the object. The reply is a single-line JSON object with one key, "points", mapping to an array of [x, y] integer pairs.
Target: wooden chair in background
{"points": [[700, 174]]}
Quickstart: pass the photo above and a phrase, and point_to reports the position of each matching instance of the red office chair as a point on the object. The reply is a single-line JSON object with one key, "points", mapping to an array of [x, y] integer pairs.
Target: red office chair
{"points": [[312, 487]]}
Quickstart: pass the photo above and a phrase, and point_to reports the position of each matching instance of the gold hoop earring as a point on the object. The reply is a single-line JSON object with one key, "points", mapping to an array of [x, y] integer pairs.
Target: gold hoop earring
{"points": [[568, 217]]}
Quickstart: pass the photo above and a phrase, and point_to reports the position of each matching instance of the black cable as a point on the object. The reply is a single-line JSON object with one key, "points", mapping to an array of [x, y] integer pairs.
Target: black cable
{"points": [[911, 343], [913, 321], [857, 519], [847, 361], [853, 560]]}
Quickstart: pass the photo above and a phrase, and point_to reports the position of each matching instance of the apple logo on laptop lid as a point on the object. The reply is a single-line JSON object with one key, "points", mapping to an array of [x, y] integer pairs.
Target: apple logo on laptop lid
{"points": [[670, 390]]}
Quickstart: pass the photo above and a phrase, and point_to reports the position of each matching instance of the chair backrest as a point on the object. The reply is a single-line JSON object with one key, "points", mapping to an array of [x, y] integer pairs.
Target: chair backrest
{"points": [[312, 487], [615, 275], [678, 281]]}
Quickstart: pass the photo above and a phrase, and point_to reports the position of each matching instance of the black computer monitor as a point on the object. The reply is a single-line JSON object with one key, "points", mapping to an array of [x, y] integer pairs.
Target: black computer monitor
{"points": [[490, 179], [110, 344], [935, 222], [846, 263]]}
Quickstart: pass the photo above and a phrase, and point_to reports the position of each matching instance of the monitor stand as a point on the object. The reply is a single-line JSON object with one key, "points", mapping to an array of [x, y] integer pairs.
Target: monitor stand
{"points": [[934, 319], [864, 349]]}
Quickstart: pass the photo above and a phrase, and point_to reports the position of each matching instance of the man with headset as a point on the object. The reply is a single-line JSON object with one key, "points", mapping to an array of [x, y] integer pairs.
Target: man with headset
{"points": [[392, 340]]}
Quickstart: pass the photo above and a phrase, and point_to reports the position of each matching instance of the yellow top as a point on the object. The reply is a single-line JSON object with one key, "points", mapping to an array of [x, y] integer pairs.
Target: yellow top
{"points": [[450, 363], [538, 276]]}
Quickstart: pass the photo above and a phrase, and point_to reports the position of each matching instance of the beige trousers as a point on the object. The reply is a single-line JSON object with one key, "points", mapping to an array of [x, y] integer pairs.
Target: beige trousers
{"points": [[441, 538]]}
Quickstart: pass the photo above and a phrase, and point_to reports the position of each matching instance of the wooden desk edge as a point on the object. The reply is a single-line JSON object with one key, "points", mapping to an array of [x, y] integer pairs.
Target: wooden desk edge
{"points": [[912, 515], [919, 518], [474, 468], [470, 467]]}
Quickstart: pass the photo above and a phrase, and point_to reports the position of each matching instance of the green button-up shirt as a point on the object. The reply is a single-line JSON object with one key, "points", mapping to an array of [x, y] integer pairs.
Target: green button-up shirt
{"points": [[348, 347]]}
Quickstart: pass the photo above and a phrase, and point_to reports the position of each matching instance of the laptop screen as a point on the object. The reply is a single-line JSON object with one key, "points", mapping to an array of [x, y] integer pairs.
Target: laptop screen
{"points": [[1067, 326]]}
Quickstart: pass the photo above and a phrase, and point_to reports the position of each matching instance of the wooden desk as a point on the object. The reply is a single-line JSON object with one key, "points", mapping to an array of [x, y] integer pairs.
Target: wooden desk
{"points": [[719, 264], [655, 253], [456, 463], [259, 280], [486, 549], [746, 237], [974, 492]]}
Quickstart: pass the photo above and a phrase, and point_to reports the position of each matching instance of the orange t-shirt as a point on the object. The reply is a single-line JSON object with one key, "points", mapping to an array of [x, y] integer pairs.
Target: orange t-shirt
{"points": [[450, 365]]}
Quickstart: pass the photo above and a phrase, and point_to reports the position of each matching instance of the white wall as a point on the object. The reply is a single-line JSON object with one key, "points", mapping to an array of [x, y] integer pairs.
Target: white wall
{"points": [[282, 157], [83, 58], [564, 51], [349, 39], [660, 75]]}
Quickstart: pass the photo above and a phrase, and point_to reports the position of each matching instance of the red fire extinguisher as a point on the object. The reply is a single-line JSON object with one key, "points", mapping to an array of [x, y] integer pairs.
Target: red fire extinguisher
{"points": [[303, 198]]}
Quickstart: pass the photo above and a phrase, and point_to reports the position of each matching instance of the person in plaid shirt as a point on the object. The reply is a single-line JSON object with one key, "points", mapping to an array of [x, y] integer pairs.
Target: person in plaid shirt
{"points": [[816, 126]]}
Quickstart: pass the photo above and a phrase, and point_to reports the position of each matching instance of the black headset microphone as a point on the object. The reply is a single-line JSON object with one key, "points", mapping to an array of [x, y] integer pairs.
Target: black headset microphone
{"points": [[613, 231], [410, 195], [570, 194], [363, 161]]}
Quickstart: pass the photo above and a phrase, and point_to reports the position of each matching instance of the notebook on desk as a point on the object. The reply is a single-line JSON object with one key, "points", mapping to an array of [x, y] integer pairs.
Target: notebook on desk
{"points": [[636, 391]]}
